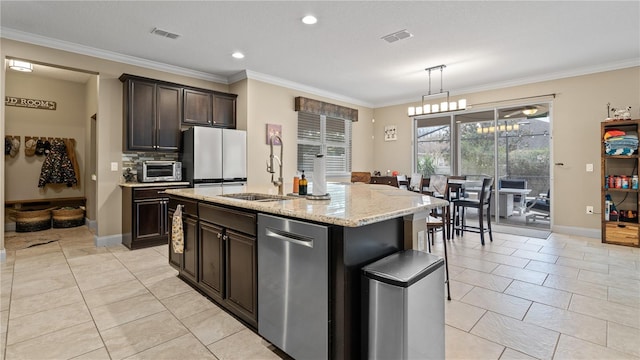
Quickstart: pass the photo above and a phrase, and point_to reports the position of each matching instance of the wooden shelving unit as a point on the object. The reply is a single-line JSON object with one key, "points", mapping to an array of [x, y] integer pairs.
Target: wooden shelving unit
{"points": [[623, 230]]}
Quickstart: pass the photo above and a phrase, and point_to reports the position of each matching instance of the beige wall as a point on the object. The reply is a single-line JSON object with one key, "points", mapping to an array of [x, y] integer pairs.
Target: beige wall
{"points": [[578, 109], [272, 104], [67, 121]]}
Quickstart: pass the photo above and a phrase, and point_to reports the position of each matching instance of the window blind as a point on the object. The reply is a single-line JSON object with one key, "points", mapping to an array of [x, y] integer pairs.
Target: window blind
{"points": [[319, 134]]}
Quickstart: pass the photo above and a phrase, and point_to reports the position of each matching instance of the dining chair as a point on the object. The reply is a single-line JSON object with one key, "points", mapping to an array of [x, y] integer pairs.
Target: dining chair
{"points": [[403, 183], [482, 204], [438, 187], [416, 182]]}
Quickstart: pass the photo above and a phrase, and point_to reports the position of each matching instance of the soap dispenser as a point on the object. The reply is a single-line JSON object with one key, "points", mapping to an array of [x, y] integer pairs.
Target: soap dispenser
{"points": [[302, 185]]}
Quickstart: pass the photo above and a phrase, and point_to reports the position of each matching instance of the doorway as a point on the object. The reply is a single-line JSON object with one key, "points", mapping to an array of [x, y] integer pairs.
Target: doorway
{"points": [[512, 145]]}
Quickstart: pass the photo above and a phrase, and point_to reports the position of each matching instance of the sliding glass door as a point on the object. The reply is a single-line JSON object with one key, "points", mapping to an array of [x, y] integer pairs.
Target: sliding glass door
{"points": [[524, 164], [510, 144]]}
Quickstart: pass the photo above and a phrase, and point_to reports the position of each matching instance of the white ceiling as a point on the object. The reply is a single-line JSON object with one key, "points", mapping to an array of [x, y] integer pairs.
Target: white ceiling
{"points": [[485, 44]]}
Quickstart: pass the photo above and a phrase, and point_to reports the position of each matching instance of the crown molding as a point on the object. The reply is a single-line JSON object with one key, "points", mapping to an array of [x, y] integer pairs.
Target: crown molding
{"points": [[16, 35], [253, 75]]}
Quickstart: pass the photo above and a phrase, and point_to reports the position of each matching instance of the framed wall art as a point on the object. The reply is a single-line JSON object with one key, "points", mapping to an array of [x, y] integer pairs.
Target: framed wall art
{"points": [[390, 133], [274, 129]]}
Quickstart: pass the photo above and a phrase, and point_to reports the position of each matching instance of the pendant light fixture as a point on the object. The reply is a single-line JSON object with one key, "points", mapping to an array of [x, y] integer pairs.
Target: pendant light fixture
{"points": [[20, 65], [437, 107]]}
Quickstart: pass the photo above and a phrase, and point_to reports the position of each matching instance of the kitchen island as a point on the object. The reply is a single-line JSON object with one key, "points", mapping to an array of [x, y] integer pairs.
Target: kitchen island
{"points": [[363, 222]]}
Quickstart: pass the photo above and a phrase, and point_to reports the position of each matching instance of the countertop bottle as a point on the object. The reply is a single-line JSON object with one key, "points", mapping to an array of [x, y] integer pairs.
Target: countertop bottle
{"points": [[302, 185], [296, 184]]}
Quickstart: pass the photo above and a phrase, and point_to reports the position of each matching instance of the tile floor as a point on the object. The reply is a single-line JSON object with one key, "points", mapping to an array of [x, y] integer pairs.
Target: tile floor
{"points": [[564, 297]]}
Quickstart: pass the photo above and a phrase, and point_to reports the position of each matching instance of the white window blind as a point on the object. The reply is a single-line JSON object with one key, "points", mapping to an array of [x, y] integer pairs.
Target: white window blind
{"points": [[319, 134]]}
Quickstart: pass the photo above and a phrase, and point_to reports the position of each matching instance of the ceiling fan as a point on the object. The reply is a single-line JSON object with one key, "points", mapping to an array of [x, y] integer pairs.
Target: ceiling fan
{"points": [[529, 111]]}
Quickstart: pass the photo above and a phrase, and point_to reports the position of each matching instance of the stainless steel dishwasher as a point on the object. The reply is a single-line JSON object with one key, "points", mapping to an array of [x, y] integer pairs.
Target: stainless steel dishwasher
{"points": [[293, 286]]}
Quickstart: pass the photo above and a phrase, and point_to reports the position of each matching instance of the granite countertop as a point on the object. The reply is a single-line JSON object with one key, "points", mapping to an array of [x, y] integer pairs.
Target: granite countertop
{"points": [[168, 183], [351, 205]]}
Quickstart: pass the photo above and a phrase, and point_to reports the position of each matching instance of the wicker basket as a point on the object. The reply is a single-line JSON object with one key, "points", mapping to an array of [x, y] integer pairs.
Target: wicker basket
{"points": [[32, 220], [66, 217]]}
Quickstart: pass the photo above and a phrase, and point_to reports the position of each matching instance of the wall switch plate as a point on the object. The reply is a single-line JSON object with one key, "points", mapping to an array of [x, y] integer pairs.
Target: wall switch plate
{"points": [[114, 166], [590, 210], [589, 167]]}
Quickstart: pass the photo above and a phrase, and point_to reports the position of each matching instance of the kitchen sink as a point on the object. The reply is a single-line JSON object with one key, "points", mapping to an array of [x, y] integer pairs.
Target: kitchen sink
{"points": [[258, 197]]}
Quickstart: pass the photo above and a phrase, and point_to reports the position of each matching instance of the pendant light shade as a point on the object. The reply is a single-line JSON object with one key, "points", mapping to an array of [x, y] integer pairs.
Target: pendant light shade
{"points": [[20, 65]]}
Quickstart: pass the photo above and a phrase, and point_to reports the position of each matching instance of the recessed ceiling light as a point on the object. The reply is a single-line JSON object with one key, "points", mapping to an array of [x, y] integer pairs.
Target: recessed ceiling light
{"points": [[238, 55], [309, 20]]}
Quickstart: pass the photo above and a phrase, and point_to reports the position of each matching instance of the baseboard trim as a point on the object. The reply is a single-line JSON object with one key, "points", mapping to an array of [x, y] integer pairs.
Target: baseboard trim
{"points": [[111, 240], [573, 230], [91, 224]]}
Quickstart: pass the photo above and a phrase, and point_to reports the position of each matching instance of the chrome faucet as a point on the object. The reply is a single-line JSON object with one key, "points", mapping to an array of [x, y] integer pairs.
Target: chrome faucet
{"points": [[279, 183]]}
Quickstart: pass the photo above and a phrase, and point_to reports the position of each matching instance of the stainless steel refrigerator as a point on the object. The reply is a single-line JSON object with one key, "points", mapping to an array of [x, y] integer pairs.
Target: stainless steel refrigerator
{"points": [[214, 156]]}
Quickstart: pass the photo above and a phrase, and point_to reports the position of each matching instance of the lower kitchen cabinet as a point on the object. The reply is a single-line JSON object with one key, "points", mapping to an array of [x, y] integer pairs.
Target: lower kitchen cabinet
{"points": [[220, 255], [187, 261], [211, 256], [144, 216], [228, 271], [242, 294]]}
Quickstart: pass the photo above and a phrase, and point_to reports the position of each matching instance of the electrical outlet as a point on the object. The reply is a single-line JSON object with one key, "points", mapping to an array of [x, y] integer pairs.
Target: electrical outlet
{"points": [[114, 166], [589, 167], [590, 210]]}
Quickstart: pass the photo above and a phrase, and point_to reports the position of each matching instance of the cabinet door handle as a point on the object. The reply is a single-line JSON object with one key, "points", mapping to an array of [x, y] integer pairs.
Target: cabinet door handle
{"points": [[225, 238], [219, 235]]}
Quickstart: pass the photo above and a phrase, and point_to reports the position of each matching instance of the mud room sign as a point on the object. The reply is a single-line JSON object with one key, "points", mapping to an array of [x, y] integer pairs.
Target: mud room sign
{"points": [[29, 103]]}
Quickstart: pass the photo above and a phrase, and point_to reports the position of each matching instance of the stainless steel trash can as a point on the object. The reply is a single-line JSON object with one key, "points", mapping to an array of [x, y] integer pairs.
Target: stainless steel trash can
{"points": [[405, 319]]}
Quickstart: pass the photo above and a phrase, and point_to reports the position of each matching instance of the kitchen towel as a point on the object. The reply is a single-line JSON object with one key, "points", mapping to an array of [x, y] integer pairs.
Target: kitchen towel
{"points": [[177, 235], [319, 176]]}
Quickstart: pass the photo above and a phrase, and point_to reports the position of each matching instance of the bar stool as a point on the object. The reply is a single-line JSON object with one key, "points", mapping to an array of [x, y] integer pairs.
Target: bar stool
{"points": [[434, 223], [482, 204]]}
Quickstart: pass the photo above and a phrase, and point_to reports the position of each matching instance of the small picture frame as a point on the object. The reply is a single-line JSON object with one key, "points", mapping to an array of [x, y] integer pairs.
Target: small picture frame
{"points": [[274, 129], [390, 133]]}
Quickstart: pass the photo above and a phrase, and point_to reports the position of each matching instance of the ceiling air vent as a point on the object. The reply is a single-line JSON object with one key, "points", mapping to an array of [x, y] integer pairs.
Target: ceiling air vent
{"points": [[398, 35], [164, 33]]}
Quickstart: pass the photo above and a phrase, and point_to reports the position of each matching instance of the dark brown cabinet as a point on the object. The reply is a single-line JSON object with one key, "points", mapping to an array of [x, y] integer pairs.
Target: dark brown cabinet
{"points": [[209, 108], [187, 261], [387, 180], [197, 107], [241, 271], [152, 113], [154, 110], [220, 255], [211, 255], [144, 216], [224, 110], [228, 259]]}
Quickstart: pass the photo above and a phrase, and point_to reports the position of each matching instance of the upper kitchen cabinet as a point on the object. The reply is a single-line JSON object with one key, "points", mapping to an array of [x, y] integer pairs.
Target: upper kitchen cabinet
{"points": [[152, 114], [197, 107], [209, 108], [224, 110]]}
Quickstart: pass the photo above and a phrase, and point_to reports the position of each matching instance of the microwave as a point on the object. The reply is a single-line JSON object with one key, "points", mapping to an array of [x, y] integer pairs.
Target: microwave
{"points": [[155, 170]]}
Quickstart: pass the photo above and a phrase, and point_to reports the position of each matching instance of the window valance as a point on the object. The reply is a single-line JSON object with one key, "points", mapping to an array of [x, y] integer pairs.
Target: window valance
{"points": [[323, 108]]}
